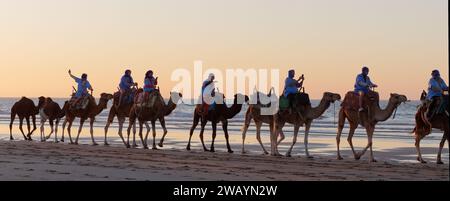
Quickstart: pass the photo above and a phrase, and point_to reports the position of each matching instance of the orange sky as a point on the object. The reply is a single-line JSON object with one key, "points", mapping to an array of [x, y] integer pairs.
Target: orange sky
{"points": [[401, 41]]}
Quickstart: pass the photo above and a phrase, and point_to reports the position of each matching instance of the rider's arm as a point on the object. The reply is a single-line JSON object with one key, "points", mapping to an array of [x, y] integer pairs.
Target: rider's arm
{"points": [[205, 84], [73, 77]]}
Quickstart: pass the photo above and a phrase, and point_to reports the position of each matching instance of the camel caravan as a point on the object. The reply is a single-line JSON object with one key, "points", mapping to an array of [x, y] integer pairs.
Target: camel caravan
{"points": [[146, 106]]}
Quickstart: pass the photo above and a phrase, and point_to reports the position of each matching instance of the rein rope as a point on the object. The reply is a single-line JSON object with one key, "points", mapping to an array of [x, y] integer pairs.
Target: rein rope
{"points": [[334, 113]]}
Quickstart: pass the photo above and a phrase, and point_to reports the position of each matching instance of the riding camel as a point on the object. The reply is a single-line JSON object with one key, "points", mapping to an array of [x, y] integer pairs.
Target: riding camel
{"points": [[254, 112], [24, 108], [123, 111], [367, 118], [90, 112], [146, 110], [52, 112], [221, 113], [310, 113], [422, 129]]}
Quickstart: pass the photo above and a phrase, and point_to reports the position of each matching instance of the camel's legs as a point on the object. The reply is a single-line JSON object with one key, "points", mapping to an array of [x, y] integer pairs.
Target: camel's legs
{"points": [[369, 129], [441, 146], [134, 132], [21, 129], [69, 128], [417, 144], [202, 130], [51, 129], [79, 129], [271, 130], [307, 127], [121, 122], [131, 124], [33, 118], [247, 121], [163, 125], [63, 129], [56, 129], [13, 117], [225, 130], [282, 137], [91, 123], [146, 134], [341, 123], [41, 129], [144, 142], [154, 135], [194, 125], [134, 137], [214, 134], [258, 136], [28, 128], [273, 137], [352, 129], [294, 139], [108, 123]]}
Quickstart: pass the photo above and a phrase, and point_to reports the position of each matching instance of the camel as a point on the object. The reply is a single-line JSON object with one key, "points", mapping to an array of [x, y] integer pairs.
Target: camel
{"points": [[439, 121], [147, 113], [24, 108], [220, 114], [91, 111], [254, 112], [310, 113], [123, 112], [367, 118], [51, 111]]}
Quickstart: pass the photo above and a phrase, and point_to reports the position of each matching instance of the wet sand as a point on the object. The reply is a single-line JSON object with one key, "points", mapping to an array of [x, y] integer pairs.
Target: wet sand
{"points": [[25, 160]]}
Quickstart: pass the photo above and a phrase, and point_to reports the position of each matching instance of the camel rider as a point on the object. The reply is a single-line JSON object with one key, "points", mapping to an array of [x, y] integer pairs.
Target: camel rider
{"points": [[363, 85], [291, 87], [83, 86], [150, 83], [208, 91], [436, 87], [126, 82]]}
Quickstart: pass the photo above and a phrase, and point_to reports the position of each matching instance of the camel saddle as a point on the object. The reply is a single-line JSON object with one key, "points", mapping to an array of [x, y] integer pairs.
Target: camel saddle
{"points": [[80, 103], [127, 97], [440, 107], [301, 100], [351, 100], [148, 100]]}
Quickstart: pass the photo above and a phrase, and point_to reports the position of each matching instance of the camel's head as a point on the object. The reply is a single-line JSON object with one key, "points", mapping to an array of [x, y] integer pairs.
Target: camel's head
{"points": [[397, 98], [105, 97], [41, 101], [175, 96], [423, 96], [241, 98], [332, 97]]}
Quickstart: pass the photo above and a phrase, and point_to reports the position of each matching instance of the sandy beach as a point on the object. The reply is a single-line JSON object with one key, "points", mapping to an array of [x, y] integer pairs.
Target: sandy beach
{"points": [[24, 160]]}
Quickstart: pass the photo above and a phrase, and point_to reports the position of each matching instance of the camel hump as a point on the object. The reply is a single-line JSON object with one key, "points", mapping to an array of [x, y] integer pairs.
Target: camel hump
{"points": [[351, 100]]}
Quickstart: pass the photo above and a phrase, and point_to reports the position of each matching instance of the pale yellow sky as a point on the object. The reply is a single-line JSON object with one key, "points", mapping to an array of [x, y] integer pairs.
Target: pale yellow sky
{"points": [[327, 40]]}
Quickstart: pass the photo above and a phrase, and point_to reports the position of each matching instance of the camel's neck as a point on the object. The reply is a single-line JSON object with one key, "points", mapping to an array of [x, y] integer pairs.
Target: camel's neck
{"points": [[316, 112], [169, 107], [100, 107], [233, 110], [384, 114]]}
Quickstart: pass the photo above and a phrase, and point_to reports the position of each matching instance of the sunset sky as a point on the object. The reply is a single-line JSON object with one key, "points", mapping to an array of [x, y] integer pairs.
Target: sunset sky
{"points": [[329, 41]]}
